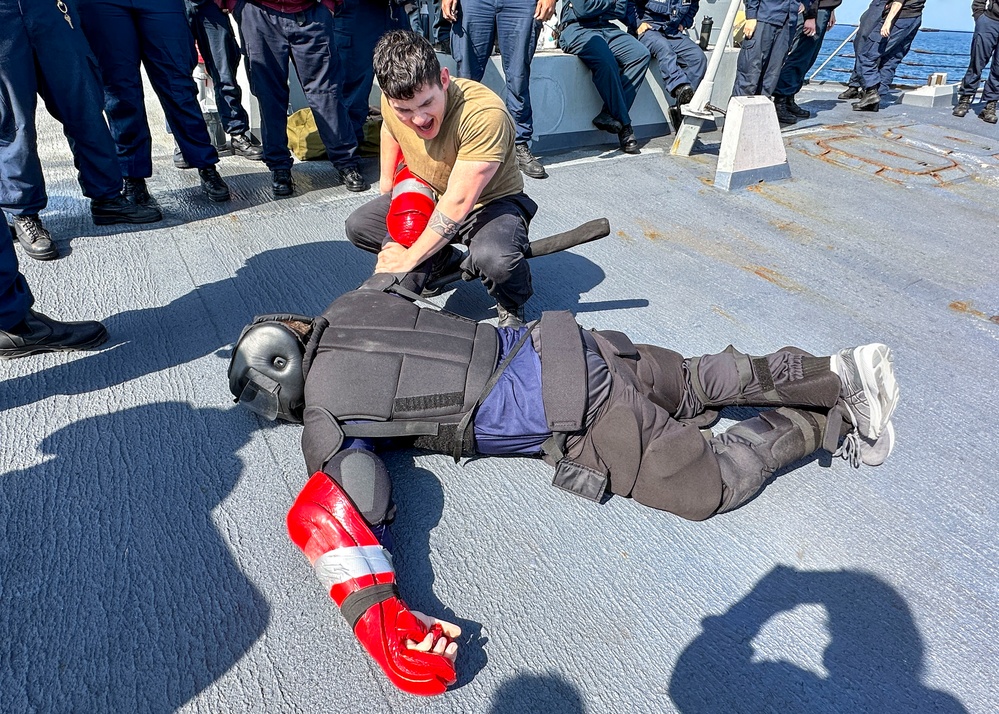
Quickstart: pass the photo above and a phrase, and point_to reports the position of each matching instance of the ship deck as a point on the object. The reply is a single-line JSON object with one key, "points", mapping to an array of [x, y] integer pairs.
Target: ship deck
{"points": [[145, 565]]}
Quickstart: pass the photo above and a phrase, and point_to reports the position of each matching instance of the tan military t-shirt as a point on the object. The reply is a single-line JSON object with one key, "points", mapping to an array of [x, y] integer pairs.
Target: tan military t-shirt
{"points": [[475, 127]]}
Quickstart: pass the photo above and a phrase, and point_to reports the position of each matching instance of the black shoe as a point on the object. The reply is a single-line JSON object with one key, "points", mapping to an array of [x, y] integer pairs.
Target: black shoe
{"points": [[245, 146], [215, 187], [784, 116], [509, 317], [178, 159], [281, 183], [629, 144], [34, 239], [850, 93], [528, 163], [605, 122], [119, 209], [352, 179], [683, 94], [792, 106], [447, 263], [963, 105], [988, 114], [136, 191], [870, 101], [38, 333]]}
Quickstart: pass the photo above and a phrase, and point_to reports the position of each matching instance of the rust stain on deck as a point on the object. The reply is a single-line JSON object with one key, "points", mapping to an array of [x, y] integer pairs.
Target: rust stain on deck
{"points": [[773, 276], [965, 307]]}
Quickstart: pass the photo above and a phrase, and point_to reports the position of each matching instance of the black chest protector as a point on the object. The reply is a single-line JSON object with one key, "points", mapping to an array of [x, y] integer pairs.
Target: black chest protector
{"points": [[401, 370]]}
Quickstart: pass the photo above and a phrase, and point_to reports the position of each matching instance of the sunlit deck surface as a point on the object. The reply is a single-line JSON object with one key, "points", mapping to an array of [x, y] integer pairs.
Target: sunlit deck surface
{"points": [[145, 566]]}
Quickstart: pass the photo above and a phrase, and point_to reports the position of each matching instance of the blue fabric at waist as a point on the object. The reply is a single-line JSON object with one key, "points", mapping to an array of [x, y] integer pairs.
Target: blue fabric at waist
{"points": [[512, 420]]}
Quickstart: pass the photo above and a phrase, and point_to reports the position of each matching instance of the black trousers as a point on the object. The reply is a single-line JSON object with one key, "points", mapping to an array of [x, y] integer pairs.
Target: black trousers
{"points": [[643, 438], [496, 236]]}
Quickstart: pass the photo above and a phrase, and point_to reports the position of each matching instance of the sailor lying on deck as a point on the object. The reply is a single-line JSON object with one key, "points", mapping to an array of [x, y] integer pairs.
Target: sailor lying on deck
{"points": [[611, 416]]}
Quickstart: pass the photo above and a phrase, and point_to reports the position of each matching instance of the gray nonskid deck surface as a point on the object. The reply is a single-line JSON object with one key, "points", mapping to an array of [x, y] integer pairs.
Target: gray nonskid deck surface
{"points": [[145, 566]]}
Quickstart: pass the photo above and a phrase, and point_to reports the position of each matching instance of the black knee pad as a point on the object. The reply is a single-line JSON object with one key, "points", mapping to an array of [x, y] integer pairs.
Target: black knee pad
{"points": [[362, 475]]}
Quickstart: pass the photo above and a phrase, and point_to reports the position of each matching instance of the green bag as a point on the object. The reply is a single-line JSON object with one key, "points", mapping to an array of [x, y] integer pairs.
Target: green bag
{"points": [[303, 136]]}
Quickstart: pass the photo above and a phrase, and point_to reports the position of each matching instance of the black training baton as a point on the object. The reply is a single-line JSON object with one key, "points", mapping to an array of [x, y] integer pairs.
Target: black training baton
{"points": [[586, 233]]}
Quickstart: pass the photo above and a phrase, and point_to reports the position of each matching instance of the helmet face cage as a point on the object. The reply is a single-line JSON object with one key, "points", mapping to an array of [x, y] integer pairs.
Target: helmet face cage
{"points": [[265, 371]]}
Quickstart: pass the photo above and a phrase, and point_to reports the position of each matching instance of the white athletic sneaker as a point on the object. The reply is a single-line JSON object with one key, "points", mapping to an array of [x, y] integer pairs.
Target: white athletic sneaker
{"points": [[869, 389]]}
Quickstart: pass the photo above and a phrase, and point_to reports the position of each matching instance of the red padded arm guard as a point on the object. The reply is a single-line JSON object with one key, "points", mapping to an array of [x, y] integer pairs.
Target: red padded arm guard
{"points": [[348, 559], [413, 202]]}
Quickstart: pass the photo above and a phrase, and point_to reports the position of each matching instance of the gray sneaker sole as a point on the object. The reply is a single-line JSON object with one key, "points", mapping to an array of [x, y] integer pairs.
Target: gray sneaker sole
{"points": [[877, 375]]}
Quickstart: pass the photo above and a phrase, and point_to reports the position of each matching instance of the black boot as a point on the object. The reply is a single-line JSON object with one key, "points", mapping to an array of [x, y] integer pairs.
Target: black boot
{"points": [[246, 146], [988, 114], [963, 105], [850, 93], [119, 209], [352, 178], [281, 183], [683, 94], [136, 191], [34, 239], [38, 333], [792, 106], [870, 101], [213, 184], [784, 116], [752, 450], [628, 142]]}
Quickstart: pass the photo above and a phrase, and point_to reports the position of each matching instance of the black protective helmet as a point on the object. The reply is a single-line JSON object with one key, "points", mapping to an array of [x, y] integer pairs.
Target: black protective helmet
{"points": [[265, 372]]}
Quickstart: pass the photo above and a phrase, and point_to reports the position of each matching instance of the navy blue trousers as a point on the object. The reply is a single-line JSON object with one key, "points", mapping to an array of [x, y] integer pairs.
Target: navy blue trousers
{"points": [[761, 58], [882, 55], [800, 58], [40, 54], [681, 60], [481, 23], [15, 296], [617, 60], [870, 19], [221, 54], [271, 40], [155, 33], [356, 27], [984, 47]]}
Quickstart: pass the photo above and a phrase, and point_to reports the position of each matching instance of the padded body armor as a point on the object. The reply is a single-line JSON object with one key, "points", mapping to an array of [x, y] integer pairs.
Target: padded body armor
{"points": [[377, 358]]}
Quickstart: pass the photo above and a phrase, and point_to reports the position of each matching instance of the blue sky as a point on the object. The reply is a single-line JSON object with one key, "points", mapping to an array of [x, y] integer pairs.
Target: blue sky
{"points": [[939, 14]]}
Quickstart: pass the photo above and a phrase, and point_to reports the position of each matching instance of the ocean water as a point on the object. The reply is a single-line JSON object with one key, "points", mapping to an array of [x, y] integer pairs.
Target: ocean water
{"points": [[931, 52]]}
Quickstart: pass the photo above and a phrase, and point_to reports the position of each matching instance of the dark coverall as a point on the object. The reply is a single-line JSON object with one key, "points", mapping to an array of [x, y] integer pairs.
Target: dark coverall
{"points": [[155, 33], [984, 47], [617, 60], [882, 55], [357, 25], [870, 19], [634, 438], [681, 60], [43, 55], [15, 295], [274, 33], [481, 23], [221, 54], [804, 49], [762, 55]]}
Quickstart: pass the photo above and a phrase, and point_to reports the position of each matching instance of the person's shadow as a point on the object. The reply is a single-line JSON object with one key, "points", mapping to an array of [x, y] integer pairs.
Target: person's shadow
{"points": [[559, 280], [534, 694], [302, 279], [119, 594], [874, 658]]}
